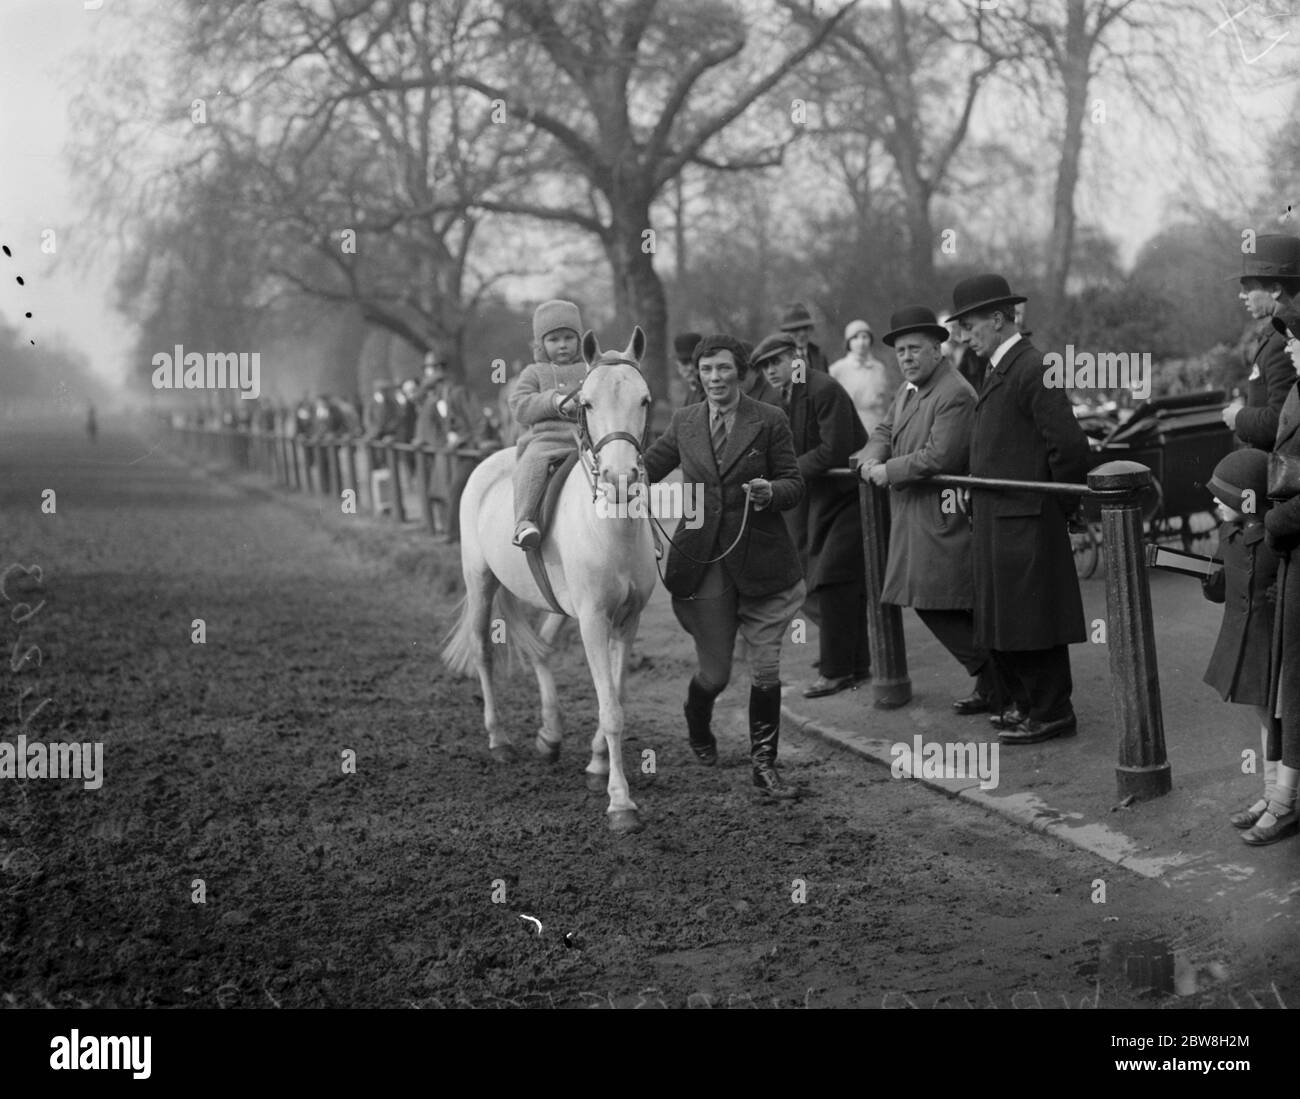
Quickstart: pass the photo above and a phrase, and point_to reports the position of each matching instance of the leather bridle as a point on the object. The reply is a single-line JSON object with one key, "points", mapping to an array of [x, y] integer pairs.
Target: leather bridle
{"points": [[585, 444]]}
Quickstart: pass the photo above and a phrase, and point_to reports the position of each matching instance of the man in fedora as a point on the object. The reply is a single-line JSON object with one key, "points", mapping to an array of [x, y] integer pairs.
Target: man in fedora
{"points": [[1270, 281], [926, 431], [797, 321], [826, 525], [1028, 609]]}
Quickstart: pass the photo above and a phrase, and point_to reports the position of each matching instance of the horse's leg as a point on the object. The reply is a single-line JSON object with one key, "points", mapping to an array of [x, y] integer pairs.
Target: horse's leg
{"points": [[481, 586], [620, 653], [597, 641], [552, 730]]}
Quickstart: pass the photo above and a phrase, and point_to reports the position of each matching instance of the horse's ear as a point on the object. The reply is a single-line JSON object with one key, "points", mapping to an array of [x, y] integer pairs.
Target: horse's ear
{"points": [[590, 347], [636, 345]]}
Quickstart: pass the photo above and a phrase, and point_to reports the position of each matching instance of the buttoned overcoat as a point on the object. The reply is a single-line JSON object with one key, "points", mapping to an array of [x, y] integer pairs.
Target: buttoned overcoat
{"points": [[929, 538], [1026, 590], [826, 525]]}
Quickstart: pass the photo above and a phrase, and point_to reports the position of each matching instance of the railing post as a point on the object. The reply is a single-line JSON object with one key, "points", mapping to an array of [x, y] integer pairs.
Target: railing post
{"points": [[1143, 769], [335, 470], [351, 445], [394, 461], [890, 682], [423, 460]]}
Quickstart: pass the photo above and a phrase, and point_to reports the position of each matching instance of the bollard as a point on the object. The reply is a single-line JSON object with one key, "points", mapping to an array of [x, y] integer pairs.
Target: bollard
{"points": [[1143, 769], [890, 682]]}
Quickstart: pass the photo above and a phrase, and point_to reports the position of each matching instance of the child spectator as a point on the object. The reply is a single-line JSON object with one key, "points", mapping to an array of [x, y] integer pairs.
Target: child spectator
{"points": [[546, 428], [1247, 586], [1283, 536]]}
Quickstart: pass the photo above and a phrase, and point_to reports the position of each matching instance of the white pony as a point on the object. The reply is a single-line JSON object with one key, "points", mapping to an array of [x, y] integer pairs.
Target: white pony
{"points": [[599, 560]]}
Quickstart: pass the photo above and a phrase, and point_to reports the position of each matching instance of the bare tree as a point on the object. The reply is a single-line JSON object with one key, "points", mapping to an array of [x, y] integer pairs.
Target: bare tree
{"points": [[915, 76], [624, 96], [1156, 61]]}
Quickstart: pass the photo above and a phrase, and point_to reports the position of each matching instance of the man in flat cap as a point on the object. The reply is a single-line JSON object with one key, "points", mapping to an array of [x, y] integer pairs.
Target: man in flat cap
{"points": [[1270, 280], [1028, 609], [826, 524]]}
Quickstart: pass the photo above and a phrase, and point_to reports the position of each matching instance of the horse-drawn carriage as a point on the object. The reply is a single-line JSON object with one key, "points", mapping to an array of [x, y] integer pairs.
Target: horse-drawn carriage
{"points": [[1180, 439]]}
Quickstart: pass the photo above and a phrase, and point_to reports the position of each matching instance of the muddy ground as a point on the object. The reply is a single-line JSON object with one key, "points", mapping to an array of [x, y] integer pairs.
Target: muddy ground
{"points": [[405, 883]]}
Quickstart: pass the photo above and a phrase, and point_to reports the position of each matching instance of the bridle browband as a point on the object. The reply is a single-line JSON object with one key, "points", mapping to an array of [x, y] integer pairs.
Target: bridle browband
{"points": [[585, 442]]}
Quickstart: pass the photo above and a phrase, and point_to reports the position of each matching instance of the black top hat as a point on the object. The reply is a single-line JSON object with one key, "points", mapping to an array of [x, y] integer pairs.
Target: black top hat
{"points": [[771, 346], [1276, 256], [684, 343], [914, 318], [796, 315], [981, 292]]}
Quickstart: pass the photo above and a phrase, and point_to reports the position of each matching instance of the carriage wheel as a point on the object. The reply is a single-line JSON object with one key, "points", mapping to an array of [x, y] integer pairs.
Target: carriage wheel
{"points": [[1085, 542]]}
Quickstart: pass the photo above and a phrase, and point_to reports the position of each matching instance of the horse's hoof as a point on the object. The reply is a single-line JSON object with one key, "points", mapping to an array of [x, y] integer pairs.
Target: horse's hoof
{"points": [[624, 821], [597, 784], [504, 753], [548, 751]]}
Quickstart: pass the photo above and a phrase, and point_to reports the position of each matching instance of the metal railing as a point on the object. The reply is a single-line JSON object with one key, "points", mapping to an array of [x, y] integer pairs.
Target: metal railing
{"points": [[330, 465], [1116, 487]]}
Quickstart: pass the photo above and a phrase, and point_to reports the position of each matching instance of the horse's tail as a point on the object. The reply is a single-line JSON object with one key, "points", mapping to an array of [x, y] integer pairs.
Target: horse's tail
{"points": [[521, 637], [459, 652]]}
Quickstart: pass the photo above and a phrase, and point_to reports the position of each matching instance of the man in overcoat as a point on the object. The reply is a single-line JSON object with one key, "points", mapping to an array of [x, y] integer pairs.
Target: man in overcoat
{"points": [[1282, 524], [1028, 609], [826, 525], [927, 431], [738, 571], [1270, 280]]}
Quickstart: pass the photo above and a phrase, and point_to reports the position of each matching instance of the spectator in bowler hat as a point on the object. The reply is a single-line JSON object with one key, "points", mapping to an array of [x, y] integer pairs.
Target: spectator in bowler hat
{"points": [[1028, 609], [926, 431]]}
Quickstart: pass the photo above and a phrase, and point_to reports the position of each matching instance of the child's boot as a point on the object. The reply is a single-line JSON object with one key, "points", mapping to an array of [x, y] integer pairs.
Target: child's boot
{"points": [[1248, 818], [527, 536], [1280, 819]]}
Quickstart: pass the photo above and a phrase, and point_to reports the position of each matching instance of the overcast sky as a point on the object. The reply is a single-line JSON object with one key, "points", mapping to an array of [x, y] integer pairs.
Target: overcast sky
{"points": [[39, 40]]}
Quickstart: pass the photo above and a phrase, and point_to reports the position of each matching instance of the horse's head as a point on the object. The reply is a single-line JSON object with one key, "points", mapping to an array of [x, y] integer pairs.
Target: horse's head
{"points": [[615, 409]]}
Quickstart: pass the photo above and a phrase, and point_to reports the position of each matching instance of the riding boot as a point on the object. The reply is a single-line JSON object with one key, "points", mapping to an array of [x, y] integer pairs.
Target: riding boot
{"points": [[699, 718], [764, 733]]}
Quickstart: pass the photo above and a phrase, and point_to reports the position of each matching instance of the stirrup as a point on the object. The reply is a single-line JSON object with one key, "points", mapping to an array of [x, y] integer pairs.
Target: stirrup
{"points": [[528, 537]]}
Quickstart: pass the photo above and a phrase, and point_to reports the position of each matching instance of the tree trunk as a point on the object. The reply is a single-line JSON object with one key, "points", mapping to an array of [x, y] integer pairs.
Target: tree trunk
{"points": [[638, 292], [1075, 75]]}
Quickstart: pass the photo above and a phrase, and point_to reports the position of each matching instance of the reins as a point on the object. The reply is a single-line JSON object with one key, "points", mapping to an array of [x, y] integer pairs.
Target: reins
{"points": [[588, 449]]}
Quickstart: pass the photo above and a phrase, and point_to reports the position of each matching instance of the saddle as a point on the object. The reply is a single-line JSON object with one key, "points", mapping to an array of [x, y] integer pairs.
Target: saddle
{"points": [[557, 472]]}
